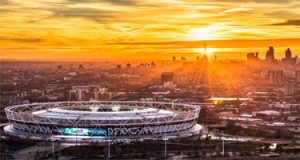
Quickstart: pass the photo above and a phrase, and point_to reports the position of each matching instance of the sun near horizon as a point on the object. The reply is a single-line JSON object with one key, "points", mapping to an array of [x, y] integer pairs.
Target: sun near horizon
{"points": [[131, 29]]}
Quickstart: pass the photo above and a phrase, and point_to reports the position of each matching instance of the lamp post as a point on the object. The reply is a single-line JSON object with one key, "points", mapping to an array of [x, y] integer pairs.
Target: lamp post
{"points": [[165, 139], [223, 152], [53, 149], [108, 148]]}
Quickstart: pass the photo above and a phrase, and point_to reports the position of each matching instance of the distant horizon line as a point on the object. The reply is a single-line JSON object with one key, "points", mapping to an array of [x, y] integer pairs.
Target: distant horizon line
{"points": [[123, 60]]}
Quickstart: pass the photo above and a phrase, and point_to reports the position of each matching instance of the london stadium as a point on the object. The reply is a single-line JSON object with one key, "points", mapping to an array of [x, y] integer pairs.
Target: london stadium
{"points": [[99, 121]]}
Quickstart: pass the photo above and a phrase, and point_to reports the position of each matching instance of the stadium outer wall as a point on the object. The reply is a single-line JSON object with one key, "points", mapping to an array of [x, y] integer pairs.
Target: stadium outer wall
{"points": [[142, 121]]}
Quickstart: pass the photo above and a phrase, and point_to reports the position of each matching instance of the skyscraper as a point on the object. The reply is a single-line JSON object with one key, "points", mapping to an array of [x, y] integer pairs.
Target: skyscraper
{"points": [[288, 54], [270, 54], [174, 58], [288, 59], [205, 57]]}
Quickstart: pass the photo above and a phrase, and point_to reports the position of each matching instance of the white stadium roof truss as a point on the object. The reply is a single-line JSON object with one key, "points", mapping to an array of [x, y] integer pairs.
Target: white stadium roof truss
{"points": [[24, 112], [44, 117]]}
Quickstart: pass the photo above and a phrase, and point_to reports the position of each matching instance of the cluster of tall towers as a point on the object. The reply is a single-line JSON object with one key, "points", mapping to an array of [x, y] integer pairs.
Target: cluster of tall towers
{"points": [[270, 56]]}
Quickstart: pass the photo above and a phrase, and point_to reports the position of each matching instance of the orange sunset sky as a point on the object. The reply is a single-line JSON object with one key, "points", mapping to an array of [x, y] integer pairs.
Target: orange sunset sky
{"points": [[146, 29]]}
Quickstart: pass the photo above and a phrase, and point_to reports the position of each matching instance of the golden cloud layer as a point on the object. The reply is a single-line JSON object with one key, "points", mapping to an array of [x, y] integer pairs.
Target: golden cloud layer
{"points": [[75, 29]]}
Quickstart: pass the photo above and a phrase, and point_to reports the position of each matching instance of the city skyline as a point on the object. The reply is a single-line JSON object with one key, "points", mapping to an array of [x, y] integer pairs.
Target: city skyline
{"points": [[150, 79], [128, 29]]}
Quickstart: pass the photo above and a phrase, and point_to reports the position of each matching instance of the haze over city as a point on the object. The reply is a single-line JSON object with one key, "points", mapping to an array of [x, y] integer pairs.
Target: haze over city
{"points": [[150, 79]]}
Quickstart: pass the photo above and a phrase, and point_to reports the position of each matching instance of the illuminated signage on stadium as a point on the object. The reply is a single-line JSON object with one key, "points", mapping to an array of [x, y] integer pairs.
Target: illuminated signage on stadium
{"points": [[84, 131]]}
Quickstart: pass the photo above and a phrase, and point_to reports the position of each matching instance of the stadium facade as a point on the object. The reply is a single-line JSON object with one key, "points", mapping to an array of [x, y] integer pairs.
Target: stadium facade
{"points": [[99, 121]]}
